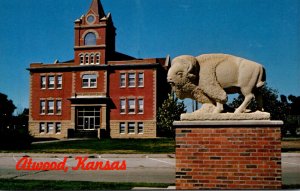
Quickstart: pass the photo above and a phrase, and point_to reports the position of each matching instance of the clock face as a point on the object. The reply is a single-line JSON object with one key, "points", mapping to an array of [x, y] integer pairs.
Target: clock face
{"points": [[90, 19]]}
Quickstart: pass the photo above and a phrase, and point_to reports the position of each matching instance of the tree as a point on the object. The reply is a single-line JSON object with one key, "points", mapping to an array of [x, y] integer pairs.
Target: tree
{"points": [[286, 109], [277, 109], [7, 109], [13, 129], [170, 111], [295, 104]]}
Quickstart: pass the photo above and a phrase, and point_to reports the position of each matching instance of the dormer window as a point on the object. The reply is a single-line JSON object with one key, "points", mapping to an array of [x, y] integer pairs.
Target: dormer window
{"points": [[90, 39]]}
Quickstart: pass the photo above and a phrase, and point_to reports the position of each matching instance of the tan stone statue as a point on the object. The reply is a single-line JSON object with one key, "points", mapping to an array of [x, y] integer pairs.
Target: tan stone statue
{"points": [[208, 79]]}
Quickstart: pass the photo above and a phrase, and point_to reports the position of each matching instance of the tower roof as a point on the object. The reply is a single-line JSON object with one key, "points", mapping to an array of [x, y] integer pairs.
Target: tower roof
{"points": [[97, 8]]}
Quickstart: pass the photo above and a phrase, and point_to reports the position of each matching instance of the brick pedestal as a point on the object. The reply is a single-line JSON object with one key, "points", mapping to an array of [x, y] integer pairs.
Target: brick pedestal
{"points": [[228, 154]]}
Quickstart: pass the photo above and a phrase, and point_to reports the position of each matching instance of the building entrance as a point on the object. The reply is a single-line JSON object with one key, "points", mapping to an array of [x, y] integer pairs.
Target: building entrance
{"points": [[88, 118]]}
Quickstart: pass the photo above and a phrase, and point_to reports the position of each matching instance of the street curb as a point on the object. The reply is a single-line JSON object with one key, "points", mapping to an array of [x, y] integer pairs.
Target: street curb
{"points": [[290, 154]]}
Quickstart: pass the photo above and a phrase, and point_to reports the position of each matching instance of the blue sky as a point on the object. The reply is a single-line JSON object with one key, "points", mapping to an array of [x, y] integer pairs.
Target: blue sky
{"points": [[265, 31]]}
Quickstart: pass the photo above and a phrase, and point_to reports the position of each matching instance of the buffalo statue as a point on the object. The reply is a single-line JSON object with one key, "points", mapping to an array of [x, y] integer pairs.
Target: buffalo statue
{"points": [[208, 79]]}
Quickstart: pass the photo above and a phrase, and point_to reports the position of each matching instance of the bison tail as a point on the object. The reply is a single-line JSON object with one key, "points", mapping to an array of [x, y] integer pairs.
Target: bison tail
{"points": [[261, 78]]}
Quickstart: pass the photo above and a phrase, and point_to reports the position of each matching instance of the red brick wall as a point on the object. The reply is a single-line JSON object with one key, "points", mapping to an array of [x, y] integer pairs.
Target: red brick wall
{"points": [[228, 158], [145, 92], [47, 94]]}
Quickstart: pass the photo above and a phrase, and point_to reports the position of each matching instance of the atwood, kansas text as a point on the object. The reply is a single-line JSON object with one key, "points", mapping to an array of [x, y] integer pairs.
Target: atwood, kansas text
{"points": [[27, 163]]}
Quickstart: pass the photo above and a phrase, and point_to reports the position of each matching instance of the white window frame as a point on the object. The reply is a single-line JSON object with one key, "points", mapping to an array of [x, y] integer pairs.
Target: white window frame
{"points": [[129, 129], [140, 125], [58, 106], [141, 105], [122, 128], [43, 82], [50, 128], [122, 80], [51, 83], [131, 79], [58, 126], [42, 128], [92, 59], [122, 106], [81, 59], [97, 59], [91, 81], [42, 107], [141, 77], [131, 106], [59, 81], [50, 108], [87, 59]]}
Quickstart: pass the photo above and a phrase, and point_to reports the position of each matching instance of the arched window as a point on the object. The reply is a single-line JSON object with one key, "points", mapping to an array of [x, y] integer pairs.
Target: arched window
{"points": [[90, 39], [86, 59], [92, 59], [97, 58], [81, 59]]}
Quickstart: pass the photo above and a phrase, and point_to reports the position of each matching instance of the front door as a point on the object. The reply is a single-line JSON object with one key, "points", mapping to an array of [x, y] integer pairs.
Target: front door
{"points": [[89, 123], [88, 118]]}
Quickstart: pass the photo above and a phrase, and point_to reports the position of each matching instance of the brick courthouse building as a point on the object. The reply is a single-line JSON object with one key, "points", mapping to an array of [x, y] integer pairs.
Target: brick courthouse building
{"points": [[100, 92]]}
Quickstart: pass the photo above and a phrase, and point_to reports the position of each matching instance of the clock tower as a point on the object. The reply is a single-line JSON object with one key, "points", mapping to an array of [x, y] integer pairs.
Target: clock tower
{"points": [[94, 37]]}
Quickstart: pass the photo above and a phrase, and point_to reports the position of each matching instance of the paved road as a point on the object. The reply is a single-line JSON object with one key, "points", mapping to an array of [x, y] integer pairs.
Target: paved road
{"points": [[140, 168]]}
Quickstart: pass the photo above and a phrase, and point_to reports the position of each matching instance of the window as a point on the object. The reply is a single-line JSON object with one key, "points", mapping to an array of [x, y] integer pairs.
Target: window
{"points": [[131, 104], [42, 128], [141, 105], [86, 59], [90, 39], [122, 106], [122, 80], [59, 81], [141, 80], [50, 107], [58, 127], [131, 79], [42, 107], [81, 59], [131, 128], [58, 106], [122, 128], [89, 81], [43, 82], [50, 127], [97, 58], [92, 58], [140, 128], [51, 82], [90, 19]]}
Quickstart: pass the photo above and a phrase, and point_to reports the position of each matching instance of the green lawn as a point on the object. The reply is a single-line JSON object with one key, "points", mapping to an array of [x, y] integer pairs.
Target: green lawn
{"points": [[11, 184], [106, 146]]}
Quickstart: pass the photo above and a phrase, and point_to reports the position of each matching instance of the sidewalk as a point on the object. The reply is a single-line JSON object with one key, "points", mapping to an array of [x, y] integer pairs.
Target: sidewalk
{"points": [[61, 140]]}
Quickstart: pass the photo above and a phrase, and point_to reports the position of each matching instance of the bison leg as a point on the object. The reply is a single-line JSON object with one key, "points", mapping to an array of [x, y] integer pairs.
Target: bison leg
{"points": [[219, 108], [246, 102]]}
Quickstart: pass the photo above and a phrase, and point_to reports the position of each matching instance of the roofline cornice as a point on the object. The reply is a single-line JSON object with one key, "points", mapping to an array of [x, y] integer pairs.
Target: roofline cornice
{"points": [[92, 67]]}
